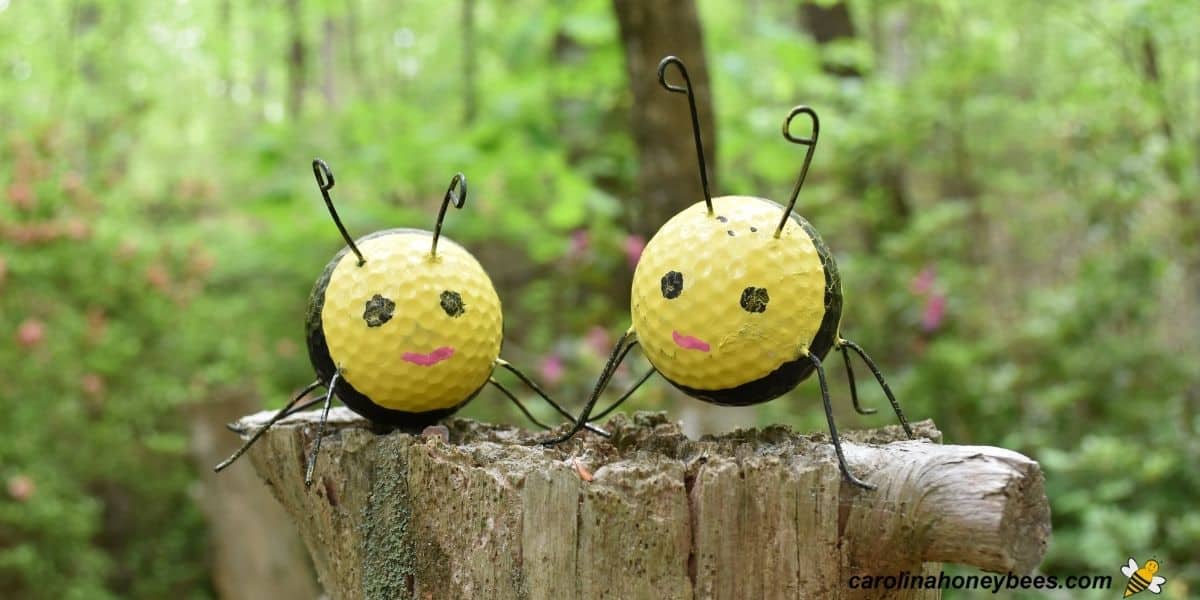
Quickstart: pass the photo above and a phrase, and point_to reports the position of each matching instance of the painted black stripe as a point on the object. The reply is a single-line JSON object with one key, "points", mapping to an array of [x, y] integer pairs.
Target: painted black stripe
{"points": [[1137, 582], [322, 362], [788, 375], [827, 333]]}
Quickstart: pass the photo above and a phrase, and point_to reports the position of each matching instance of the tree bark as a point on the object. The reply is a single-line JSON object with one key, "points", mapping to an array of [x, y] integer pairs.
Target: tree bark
{"points": [[648, 513], [668, 172]]}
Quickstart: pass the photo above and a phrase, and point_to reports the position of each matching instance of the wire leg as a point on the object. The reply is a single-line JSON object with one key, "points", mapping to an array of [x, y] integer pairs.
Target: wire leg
{"points": [[833, 433], [538, 390], [883, 384], [283, 412], [609, 368], [853, 387], [525, 411], [305, 406], [625, 396], [312, 457]]}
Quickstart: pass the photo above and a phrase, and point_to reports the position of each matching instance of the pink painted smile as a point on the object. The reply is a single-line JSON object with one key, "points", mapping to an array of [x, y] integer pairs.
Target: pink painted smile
{"points": [[688, 342], [428, 360]]}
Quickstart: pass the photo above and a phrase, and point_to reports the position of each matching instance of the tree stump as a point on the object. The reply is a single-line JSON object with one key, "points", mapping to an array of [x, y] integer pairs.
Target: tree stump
{"points": [[648, 513]]}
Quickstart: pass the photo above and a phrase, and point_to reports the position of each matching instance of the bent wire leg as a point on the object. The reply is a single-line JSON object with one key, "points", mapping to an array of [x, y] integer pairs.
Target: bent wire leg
{"points": [[283, 412], [525, 411], [538, 390], [312, 457], [610, 367], [625, 396], [883, 384], [305, 406], [833, 432], [853, 387]]}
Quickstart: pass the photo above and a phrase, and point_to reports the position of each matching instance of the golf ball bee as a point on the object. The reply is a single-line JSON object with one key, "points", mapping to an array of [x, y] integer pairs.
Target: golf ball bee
{"points": [[737, 299], [404, 326]]}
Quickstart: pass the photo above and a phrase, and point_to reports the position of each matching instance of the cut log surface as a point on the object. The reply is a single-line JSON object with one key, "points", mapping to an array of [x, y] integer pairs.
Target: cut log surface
{"points": [[648, 513]]}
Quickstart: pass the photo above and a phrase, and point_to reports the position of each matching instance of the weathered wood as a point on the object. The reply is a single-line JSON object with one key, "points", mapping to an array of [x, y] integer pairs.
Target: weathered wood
{"points": [[749, 514]]}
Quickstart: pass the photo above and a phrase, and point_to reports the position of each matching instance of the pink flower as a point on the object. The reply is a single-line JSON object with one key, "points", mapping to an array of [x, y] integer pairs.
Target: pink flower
{"points": [[21, 195], [934, 313], [922, 284], [158, 277], [634, 245], [580, 241], [31, 332], [21, 487], [597, 339], [552, 369], [77, 229], [92, 384]]}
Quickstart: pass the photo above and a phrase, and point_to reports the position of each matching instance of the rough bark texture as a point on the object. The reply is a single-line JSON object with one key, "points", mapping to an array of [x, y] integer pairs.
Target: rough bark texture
{"points": [[648, 513]]}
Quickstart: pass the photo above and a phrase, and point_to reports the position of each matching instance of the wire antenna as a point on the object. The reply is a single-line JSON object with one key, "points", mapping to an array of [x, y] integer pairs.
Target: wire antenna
{"points": [[325, 181], [811, 142], [459, 183], [687, 89]]}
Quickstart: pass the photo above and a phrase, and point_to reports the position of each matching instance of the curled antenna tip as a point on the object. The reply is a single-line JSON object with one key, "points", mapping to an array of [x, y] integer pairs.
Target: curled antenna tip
{"points": [[456, 194], [662, 74], [816, 126], [324, 177], [811, 142], [323, 174], [686, 88], [458, 184]]}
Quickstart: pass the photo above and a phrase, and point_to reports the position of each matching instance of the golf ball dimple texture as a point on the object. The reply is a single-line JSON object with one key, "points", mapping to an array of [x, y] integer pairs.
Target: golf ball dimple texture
{"points": [[421, 358], [703, 338]]}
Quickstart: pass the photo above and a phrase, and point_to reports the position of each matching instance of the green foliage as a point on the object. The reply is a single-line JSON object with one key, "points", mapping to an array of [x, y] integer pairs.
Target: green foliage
{"points": [[97, 323], [1010, 190]]}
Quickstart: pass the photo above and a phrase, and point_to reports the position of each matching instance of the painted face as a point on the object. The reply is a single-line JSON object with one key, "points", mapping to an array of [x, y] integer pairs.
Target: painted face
{"points": [[719, 302], [410, 331]]}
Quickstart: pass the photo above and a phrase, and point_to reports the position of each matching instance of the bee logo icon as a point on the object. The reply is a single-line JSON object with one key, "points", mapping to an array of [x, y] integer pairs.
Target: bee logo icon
{"points": [[1142, 579]]}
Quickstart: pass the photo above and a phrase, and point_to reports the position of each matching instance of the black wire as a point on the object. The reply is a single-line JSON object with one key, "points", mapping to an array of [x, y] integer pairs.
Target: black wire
{"points": [[283, 412], [322, 172]]}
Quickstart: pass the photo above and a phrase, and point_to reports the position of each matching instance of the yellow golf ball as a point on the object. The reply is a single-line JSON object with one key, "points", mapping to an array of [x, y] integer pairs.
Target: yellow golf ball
{"points": [[725, 310], [410, 331]]}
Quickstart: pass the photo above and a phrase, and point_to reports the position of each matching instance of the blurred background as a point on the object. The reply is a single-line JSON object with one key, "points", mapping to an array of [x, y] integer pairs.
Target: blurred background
{"points": [[1012, 192]]}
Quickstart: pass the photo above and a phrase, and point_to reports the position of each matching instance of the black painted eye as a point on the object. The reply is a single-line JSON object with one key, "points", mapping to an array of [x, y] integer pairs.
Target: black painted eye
{"points": [[672, 284], [755, 299], [452, 303], [378, 311]]}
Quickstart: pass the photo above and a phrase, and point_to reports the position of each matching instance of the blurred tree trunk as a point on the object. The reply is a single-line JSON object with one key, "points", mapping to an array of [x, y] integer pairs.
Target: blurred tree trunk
{"points": [[829, 23], [256, 552], [468, 58], [297, 58], [668, 175], [353, 51], [329, 62]]}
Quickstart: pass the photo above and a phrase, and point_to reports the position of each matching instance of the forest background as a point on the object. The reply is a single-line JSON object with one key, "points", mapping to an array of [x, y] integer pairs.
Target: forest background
{"points": [[1011, 190]]}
